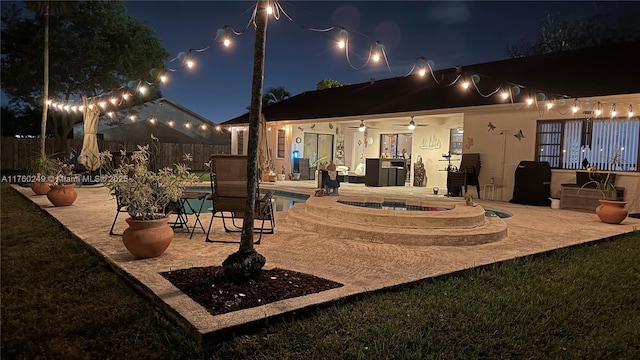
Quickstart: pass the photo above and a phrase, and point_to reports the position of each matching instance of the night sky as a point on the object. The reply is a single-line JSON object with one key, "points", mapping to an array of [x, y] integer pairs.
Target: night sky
{"points": [[446, 33]]}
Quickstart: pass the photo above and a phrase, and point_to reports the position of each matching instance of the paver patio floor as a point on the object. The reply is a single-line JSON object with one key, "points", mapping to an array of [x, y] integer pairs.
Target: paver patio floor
{"points": [[360, 265]]}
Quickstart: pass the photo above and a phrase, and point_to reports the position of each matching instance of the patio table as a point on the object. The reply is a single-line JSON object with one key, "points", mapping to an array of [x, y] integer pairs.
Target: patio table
{"points": [[185, 207]]}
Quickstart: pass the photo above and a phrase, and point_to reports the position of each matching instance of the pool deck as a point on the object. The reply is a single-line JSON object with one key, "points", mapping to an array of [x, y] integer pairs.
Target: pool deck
{"points": [[362, 266]]}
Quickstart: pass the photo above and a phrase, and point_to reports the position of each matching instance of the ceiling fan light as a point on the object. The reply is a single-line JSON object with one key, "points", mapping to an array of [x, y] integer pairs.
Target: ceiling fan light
{"points": [[362, 128], [412, 125]]}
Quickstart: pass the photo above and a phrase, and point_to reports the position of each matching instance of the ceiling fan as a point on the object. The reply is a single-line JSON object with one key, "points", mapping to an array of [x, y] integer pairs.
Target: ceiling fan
{"points": [[411, 125], [362, 127]]}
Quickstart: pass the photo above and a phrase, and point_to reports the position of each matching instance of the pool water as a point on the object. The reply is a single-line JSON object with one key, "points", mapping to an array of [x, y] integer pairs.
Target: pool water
{"points": [[283, 201]]}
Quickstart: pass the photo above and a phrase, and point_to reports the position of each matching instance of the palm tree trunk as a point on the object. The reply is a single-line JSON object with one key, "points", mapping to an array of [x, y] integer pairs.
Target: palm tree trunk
{"points": [[246, 241], [45, 93]]}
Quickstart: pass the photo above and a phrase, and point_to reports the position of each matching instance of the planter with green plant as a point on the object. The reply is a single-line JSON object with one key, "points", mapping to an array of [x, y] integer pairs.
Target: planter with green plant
{"points": [[611, 210], [147, 195], [42, 171]]}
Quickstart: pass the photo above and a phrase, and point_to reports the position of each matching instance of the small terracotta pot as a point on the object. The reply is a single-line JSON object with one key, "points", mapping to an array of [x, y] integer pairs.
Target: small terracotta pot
{"points": [[612, 211], [62, 195], [40, 187], [147, 238]]}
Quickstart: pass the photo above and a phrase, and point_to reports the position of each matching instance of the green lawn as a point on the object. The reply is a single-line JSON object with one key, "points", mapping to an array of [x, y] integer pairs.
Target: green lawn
{"points": [[60, 301]]}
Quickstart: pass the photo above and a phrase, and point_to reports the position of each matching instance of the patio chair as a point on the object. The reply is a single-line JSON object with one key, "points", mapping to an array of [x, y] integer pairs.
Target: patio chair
{"points": [[229, 193], [120, 207]]}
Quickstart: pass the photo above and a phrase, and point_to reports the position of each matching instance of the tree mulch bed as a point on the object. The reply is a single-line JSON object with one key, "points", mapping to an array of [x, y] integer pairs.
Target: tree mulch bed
{"points": [[208, 287]]}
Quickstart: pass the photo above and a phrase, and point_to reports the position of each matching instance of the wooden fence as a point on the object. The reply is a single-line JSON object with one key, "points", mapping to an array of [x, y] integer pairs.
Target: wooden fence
{"points": [[17, 153]]}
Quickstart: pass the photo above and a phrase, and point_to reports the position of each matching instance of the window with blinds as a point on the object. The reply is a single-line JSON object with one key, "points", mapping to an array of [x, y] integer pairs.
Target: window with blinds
{"points": [[577, 144], [240, 145], [280, 148]]}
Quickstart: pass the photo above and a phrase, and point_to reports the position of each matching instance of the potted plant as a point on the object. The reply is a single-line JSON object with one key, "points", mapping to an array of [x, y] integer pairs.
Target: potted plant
{"points": [[43, 169], [63, 192], [611, 210], [147, 195]]}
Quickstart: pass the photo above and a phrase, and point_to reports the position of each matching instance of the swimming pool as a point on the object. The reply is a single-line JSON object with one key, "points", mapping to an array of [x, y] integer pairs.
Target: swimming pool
{"points": [[285, 200]]}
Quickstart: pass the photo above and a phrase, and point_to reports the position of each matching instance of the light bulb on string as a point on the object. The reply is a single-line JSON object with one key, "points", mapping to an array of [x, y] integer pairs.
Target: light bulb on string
{"points": [[81, 108], [504, 95], [465, 84], [529, 101], [67, 107], [163, 79], [111, 114], [422, 72], [630, 111], [598, 109], [103, 104], [187, 125], [342, 38], [376, 57], [74, 108], [170, 122], [218, 128], [614, 113], [113, 100], [125, 96], [132, 118], [91, 106], [203, 127], [269, 10], [226, 42], [190, 64], [142, 90], [549, 105], [49, 102], [152, 120]]}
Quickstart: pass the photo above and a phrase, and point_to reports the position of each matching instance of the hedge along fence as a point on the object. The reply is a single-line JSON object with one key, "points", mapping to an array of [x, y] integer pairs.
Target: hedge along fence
{"points": [[17, 153]]}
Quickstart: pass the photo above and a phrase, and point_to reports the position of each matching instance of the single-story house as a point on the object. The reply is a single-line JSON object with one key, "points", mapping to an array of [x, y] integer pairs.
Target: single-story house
{"points": [[571, 109], [165, 119]]}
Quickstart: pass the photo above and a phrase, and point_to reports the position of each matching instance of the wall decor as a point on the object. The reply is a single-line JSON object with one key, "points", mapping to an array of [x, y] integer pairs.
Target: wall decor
{"points": [[298, 140], [431, 143], [491, 126], [519, 135]]}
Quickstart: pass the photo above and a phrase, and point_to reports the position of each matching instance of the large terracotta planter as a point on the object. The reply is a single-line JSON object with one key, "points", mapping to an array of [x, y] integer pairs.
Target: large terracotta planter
{"points": [[611, 211], [147, 238], [40, 187], [62, 195]]}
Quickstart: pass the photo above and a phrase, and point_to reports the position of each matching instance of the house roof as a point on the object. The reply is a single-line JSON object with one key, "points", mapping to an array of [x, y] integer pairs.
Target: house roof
{"points": [[600, 71]]}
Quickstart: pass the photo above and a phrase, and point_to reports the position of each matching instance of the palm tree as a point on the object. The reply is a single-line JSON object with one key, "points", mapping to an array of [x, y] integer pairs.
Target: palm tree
{"points": [[274, 95], [45, 9], [247, 262]]}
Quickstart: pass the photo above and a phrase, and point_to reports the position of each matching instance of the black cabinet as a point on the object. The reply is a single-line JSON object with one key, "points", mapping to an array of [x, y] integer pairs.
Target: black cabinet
{"points": [[385, 172]]}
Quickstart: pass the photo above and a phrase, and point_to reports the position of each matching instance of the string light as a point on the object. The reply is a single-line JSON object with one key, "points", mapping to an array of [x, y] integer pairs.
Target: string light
{"points": [[152, 120], [132, 118], [170, 122], [377, 52], [218, 128], [203, 127], [111, 114]]}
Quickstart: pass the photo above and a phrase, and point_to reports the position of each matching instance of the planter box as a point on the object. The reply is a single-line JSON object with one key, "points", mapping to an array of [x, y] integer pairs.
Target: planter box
{"points": [[576, 198]]}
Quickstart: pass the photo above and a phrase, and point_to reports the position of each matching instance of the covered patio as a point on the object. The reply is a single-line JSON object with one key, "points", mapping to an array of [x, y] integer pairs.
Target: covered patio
{"points": [[361, 265]]}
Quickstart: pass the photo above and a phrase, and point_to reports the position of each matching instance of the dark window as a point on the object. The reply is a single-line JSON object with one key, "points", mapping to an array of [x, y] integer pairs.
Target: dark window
{"points": [[280, 152]]}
